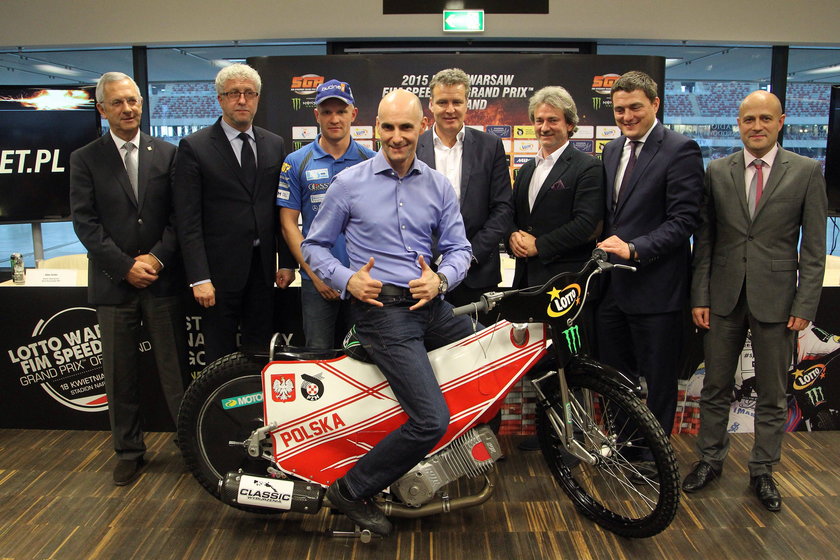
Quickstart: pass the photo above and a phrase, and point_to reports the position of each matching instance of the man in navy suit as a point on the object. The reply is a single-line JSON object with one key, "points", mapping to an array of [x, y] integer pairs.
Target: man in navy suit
{"points": [[474, 162], [121, 199], [226, 178], [654, 182]]}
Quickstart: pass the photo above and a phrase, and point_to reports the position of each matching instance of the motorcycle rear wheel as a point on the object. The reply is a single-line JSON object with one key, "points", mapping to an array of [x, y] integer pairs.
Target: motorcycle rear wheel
{"points": [[615, 426], [222, 405]]}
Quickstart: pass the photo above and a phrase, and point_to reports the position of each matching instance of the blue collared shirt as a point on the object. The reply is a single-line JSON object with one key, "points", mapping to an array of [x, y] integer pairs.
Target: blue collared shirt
{"points": [[392, 219], [304, 178]]}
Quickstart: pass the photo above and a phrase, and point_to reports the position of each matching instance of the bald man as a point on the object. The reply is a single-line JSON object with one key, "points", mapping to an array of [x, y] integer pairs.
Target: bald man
{"points": [[390, 209], [749, 275]]}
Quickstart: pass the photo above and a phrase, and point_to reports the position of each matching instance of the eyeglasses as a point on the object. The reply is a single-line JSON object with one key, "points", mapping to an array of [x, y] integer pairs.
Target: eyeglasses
{"points": [[234, 94], [131, 102]]}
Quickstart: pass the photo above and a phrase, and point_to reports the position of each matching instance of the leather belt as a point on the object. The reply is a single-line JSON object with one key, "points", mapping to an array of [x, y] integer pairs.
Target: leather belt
{"points": [[391, 291]]}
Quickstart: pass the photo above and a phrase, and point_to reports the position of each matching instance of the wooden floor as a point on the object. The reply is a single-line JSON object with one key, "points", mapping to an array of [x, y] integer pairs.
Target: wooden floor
{"points": [[57, 500]]}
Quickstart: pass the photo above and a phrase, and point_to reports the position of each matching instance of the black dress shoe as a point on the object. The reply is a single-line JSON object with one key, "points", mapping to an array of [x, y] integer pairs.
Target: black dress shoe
{"points": [[127, 471], [364, 513], [766, 491], [698, 478], [530, 443]]}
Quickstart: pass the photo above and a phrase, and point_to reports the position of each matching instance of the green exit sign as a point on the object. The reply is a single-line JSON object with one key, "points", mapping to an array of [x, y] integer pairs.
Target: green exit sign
{"points": [[463, 21]]}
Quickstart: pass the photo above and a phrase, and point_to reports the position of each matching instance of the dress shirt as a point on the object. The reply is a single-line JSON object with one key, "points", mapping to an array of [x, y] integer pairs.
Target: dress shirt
{"points": [[394, 220], [749, 171], [543, 167], [448, 160], [236, 142], [625, 157]]}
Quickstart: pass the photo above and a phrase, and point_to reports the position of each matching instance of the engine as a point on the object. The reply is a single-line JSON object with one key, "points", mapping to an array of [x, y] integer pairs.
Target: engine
{"points": [[472, 454]]}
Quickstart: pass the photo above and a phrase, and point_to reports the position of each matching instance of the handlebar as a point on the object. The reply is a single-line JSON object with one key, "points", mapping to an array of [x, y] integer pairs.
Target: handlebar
{"points": [[487, 302], [597, 264], [476, 307]]}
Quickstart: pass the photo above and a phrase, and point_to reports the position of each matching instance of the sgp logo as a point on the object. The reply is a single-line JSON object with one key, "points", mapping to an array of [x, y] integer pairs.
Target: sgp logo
{"points": [[306, 84]]}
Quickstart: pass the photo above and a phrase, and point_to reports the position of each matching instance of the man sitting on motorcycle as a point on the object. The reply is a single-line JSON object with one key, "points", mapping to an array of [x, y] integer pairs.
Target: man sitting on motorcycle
{"points": [[393, 209]]}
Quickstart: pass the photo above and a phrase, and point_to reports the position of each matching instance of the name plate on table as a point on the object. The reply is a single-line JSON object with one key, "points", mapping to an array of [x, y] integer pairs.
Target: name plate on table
{"points": [[51, 277]]}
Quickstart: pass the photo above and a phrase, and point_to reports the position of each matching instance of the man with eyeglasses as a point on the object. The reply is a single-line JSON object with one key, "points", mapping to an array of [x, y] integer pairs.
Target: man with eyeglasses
{"points": [[225, 184], [120, 197]]}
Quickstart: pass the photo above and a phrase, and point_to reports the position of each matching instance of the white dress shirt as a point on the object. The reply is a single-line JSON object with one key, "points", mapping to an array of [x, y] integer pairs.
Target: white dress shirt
{"points": [[541, 171], [448, 160]]}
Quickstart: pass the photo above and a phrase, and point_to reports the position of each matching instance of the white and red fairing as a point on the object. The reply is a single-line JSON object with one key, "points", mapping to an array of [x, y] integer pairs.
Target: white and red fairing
{"points": [[320, 439]]}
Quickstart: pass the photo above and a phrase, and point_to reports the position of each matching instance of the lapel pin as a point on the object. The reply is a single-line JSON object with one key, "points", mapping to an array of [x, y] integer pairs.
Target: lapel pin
{"points": [[149, 148]]}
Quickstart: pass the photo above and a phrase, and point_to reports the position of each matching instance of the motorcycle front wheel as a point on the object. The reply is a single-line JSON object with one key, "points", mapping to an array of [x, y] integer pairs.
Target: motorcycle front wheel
{"points": [[632, 489], [219, 411]]}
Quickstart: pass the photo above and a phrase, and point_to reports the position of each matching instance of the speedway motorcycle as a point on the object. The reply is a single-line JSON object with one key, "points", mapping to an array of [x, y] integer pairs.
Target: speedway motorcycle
{"points": [[270, 433]]}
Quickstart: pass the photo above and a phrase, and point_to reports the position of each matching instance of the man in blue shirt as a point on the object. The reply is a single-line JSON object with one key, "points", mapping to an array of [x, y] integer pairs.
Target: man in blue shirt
{"points": [[391, 208], [304, 179]]}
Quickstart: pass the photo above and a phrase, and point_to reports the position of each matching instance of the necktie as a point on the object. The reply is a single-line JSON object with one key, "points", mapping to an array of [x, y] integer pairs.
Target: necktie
{"points": [[131, 168], [628, 171], [756, 186], [248, 161]]}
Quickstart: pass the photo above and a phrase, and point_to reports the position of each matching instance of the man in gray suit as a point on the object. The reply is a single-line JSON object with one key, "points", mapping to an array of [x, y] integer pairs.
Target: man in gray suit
{"points": [[747, 275], [121, 200]]}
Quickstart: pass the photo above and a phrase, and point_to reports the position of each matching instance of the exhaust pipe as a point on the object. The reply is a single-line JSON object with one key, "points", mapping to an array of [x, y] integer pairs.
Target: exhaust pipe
{"points": [[270, 494]]}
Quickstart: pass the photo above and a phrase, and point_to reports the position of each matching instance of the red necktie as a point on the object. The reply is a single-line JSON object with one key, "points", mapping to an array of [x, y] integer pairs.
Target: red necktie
{"points": [[756, 185]]}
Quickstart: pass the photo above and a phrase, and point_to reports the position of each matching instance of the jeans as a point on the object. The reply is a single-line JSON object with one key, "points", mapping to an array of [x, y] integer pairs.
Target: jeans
{"points": [[397, 339], [319, 316]]}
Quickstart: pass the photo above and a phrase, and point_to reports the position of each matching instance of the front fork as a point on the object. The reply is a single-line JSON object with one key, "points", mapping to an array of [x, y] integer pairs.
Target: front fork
{"points": [[562, 416]]}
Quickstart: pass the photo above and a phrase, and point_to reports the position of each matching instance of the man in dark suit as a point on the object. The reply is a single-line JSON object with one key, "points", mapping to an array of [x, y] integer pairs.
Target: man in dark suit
{"points": [[474, 162], [751, 272], [654, 182], [226, 178], [121, 199], [558, 203], [558, 196]]}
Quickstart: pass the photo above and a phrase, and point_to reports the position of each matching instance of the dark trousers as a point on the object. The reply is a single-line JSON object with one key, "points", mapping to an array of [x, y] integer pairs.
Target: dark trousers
{"points": [[121, 334], [250, 311], [772, 345], [644, 345], [398, 339]]}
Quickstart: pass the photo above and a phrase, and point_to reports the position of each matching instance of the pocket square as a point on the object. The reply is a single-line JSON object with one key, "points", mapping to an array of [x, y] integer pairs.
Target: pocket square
{"points": [[557, 186]]}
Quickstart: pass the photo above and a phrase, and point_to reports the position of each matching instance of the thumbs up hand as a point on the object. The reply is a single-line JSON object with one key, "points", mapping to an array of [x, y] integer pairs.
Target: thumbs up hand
{"points": [[425, 288], [364, 287]]}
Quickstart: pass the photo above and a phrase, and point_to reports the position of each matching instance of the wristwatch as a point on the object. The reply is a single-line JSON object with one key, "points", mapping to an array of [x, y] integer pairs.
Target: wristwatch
{"points": [[633, 255], [444, 284]]}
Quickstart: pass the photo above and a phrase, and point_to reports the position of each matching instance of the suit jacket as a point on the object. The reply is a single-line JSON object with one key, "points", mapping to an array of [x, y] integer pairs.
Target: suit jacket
{"points": [[658, 210], [732, 251], [114, 226], [218, 217], [485, 200], [567, 217]]}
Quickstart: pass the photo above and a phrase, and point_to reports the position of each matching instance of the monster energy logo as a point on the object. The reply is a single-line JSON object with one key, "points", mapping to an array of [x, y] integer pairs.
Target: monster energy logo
{"points": [[297, 144], [596, 102], [816, 396], [296, 103], [573, 338]]}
